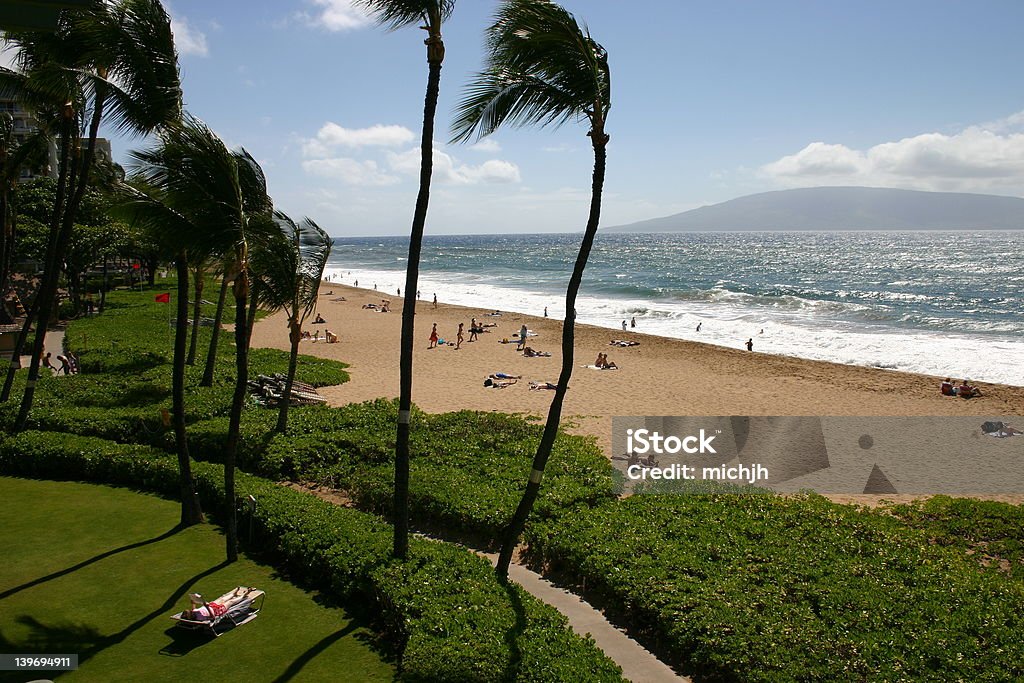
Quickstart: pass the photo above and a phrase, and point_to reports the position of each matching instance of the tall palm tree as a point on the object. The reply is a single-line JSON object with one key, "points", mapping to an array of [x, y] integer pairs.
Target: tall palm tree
{"points": [[15, 156], [542, 68], [115, 60], [223, 194], [154, 210], [395, 14], [290, 268]]}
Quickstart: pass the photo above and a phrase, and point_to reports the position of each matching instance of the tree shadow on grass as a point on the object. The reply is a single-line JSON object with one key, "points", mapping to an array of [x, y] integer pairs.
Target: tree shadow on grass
{"points": [[85, 563], [306, 657]]}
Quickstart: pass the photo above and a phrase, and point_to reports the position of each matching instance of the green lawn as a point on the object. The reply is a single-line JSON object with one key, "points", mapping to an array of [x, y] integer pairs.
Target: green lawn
{"points": [[97, 571]]}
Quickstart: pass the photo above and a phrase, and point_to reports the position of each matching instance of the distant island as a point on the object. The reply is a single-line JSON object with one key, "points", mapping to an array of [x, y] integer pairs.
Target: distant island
{"points": [[845, 208]]}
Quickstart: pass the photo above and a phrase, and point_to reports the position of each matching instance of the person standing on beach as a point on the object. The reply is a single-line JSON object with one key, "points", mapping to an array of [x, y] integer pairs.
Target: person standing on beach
{"points": [[435, 299], [750, 344], [357, 283], [623, 325], [698, 326], [417, 295], [522, 337], [459, 336], [632, 322], [473, 330], [433, 337], [545, 311]]}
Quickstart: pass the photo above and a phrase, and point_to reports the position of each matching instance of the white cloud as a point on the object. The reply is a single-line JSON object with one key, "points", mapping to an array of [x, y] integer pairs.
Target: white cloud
{"points": [[350, 171], [335, 15], [447, 170], [188, 40], [489, 145], [984, 158], [332, 136]]}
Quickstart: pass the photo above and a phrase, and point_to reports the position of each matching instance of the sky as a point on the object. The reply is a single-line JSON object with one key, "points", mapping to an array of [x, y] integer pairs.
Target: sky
{"points": [[711, 100]]}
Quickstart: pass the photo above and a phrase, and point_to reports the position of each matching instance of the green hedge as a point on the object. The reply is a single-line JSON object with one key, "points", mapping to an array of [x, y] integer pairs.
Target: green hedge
{"points": [[763, 588], [467, 472], [443, 609]]}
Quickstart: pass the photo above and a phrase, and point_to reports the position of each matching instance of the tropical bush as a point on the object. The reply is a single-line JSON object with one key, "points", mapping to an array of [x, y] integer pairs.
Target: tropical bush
{"points": [[444, 611], [764, 588]]}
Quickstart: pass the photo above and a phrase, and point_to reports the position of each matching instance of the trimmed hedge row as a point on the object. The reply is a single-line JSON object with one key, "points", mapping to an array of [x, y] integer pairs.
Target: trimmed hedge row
{"points": [[764, 588], [467, 471], [444, 610]]}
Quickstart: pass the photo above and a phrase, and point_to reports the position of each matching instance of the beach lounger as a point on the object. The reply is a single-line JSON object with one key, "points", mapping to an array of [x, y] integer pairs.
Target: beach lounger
{"points": [[234, 608]]}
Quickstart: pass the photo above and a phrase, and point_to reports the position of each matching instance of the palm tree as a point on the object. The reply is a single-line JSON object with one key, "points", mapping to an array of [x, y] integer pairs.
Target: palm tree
{"points": [[211, 353], [154, 210], [395, 14], [115, 60], [223, 195], [290, 268], [542, 68]]}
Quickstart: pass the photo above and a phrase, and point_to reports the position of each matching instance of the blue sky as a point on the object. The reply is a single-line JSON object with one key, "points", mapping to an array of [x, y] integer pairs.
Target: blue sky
{"points": [[711, 100]]}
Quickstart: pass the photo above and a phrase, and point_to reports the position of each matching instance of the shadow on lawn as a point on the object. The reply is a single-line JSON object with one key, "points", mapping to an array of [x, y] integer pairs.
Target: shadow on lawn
{"points": [[306, 657], [85, 639], [513, 634], [102, 556]]}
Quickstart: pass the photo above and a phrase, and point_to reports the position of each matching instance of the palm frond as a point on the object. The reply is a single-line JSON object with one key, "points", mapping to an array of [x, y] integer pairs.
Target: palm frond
{"points": [[396, 14], [542, 68]]}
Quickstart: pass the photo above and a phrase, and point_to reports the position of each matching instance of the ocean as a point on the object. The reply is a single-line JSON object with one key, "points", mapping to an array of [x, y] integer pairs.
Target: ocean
{"points": [[937, 303]]}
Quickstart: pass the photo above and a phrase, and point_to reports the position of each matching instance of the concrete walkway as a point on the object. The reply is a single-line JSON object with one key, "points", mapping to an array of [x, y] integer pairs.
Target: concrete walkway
{"points": [[54, 344], [638, 664]]}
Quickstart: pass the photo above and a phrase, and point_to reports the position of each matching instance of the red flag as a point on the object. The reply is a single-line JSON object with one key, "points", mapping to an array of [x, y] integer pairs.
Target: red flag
{"points": [[164, 298]]}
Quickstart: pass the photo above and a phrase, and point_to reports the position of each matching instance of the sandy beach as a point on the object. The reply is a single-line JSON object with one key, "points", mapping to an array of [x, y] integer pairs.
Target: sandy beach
{"points": [[660, 376]]}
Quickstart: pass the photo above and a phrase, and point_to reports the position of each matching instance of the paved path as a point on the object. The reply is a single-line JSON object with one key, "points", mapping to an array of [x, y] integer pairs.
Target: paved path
{"points": [[638, 664]]}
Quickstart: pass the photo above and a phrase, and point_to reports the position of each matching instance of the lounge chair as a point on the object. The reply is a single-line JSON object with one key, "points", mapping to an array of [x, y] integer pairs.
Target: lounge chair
{"points": [[232, 609]]}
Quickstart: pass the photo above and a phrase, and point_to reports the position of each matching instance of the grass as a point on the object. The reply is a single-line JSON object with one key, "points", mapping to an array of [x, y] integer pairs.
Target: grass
{"points": [[97, 571]]}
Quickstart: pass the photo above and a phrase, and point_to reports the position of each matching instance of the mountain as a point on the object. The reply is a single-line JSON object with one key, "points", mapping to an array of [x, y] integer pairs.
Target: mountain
{"points": [[845, 208]]}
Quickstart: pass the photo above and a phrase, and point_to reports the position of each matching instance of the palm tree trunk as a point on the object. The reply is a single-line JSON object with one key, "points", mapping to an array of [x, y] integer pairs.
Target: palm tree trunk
{"points": [[234, 422], [547, 441], [251, 320], [103, 287], [191, 511], [211, 355], [197, 311], [295, 332], [54, 252], [19, 346], [412, 273]]}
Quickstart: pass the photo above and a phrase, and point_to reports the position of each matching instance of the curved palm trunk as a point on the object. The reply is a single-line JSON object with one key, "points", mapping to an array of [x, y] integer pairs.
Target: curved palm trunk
{"points": [[547, 441], [54, 252], [251, 321], [241, 382], [211, 355], [19, 346], [412, 273], [191, 511], [197, 311], [295, 336], [103, 288]]}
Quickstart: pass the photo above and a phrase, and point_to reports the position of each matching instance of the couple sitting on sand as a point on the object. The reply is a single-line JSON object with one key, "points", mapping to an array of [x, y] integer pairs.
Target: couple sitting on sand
{"points": [[965, 390], [603, 363]]}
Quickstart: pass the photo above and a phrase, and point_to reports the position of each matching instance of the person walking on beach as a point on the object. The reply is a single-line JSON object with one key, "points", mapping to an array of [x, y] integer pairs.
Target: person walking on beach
{"points": [[623, 325], [545, 311], [750, 344], [632, 322], [522, 337], [417, 295], [459, 336], [473, 330], [435, 299], [698, 326], [433, 337]]}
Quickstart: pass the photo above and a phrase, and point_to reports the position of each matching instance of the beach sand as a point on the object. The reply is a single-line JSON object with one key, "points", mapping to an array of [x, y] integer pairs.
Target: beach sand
{"points": [[661, 376]]}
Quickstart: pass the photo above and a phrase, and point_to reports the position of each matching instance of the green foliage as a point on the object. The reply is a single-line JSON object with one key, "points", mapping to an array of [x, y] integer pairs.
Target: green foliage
{"points": [[443, 610], [763, 588], [990, 533]]}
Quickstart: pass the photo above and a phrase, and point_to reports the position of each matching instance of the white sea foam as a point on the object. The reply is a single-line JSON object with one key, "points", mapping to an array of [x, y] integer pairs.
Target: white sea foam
{"points": [[801, 331]]}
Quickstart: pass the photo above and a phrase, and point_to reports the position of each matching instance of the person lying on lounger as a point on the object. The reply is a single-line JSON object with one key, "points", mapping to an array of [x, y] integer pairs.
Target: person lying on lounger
{"points": [[205, 611]]}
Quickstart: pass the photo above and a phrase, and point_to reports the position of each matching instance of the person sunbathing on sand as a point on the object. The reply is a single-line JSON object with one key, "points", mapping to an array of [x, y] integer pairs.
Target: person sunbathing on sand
{"points": [[504, 375], [499, 383], [543, 385], [529, 352]]}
